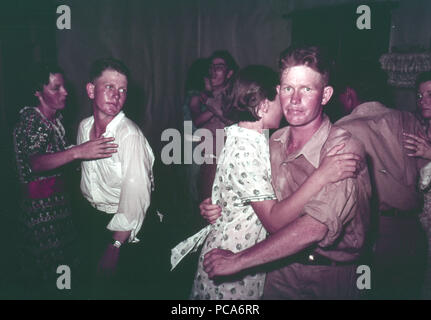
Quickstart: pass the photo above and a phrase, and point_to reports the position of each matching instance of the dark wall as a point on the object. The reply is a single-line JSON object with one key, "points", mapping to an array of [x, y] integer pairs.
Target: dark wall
{"points": [[26, 37]]}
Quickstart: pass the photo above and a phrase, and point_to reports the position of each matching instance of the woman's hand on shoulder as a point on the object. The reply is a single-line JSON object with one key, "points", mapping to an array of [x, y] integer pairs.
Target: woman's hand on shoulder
{"points": [[335, 166]]}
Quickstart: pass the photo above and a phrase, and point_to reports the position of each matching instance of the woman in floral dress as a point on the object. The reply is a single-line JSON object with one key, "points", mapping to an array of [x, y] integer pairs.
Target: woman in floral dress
{"points": [[243, 178], [41, 149]]}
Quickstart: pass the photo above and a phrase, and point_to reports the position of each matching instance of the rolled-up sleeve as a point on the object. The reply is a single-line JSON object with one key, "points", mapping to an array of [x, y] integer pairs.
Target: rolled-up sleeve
{"points": [[137, 160], [338, 203], [334, 206]]}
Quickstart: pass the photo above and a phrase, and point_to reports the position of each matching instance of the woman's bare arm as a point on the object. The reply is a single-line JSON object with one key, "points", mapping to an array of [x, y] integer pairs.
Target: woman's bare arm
{"points": [[93, 149]]}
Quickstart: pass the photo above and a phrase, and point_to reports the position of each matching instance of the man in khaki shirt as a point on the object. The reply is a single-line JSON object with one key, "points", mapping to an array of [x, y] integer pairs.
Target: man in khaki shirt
{"points": [[399, 249], [322, 246]]}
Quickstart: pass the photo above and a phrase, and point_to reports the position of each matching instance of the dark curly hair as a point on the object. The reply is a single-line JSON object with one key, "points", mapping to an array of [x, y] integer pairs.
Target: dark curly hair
{"points": [[367, 79], [39, 75], [422, 77]]}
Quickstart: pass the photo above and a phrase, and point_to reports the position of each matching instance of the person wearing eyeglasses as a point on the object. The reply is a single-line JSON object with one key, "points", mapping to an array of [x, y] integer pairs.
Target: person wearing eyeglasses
{"points": [[419, 146], [222, 68], [397, 239], [206, 82]]}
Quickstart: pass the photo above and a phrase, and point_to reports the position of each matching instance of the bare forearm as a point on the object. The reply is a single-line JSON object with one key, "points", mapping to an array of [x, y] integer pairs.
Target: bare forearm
{"points": [[218, 113], [222, 118], [93, 149], [200, 119], [291, 239], [287, 210], [226, 121], [50, 161], [121, 236]]}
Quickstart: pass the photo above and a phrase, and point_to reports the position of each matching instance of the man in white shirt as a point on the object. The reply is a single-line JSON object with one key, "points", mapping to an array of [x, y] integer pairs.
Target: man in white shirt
{"points": [[119, 187]]}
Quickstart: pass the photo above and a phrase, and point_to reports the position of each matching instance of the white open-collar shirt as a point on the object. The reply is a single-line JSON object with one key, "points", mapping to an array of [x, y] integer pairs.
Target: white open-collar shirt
{"points": [[120, 185]]}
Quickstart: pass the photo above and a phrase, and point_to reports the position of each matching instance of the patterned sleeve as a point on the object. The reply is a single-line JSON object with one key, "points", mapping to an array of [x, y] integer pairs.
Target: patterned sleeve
{"points": [[251, 175], [31, 136]]}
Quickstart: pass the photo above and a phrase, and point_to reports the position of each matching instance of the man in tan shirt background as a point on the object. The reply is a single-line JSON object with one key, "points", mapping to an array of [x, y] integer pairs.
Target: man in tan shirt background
{"points": [[321, 247], [399, 249]]}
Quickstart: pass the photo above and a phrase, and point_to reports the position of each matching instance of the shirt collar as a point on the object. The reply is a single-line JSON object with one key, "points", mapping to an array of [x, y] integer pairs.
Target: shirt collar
{"points": [[112, 126], [371, 109], [312, 149]]}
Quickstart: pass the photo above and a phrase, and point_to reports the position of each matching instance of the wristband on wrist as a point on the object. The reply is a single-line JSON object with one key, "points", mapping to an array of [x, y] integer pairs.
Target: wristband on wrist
{"points": [[117, 244]]}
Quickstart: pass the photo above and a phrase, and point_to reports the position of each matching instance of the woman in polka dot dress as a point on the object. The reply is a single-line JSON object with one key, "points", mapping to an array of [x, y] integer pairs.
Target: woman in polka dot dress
{"points": [[243, 178]]}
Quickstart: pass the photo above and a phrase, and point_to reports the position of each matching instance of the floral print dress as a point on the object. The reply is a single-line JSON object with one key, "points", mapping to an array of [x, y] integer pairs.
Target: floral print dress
{"points": [[48, 232], [243, 176]]}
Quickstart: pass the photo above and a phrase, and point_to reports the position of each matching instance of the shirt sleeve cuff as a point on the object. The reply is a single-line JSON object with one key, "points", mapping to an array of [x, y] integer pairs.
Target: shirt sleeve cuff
{"points": [[316, 209], [119, 222], [244, 201]]}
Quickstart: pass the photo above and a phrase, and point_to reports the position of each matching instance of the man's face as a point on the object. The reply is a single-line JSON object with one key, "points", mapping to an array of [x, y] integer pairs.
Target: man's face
{"points": [[219, 72], [302, 95], [424, 99], [53, 94], [108, 92]]}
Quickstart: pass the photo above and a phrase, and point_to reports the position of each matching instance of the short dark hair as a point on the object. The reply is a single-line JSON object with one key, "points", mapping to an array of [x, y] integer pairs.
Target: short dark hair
{"points": [[311, 56], [196, 74], [39, 75], [227, 57], [422, 77], [367, 79], [103, 64], [251, 86]]}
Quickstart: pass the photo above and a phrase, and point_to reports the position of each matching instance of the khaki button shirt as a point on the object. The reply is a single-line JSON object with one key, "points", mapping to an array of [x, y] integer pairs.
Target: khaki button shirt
{"points": [[343, 206], [394, 174]]}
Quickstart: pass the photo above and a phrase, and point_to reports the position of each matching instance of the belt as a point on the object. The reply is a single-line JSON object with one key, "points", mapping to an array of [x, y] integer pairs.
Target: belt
{"points": [[315, 259], [399, 213]]}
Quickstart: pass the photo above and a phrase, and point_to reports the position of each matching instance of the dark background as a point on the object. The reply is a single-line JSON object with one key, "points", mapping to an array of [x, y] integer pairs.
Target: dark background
{"points": [[159, 40]]}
